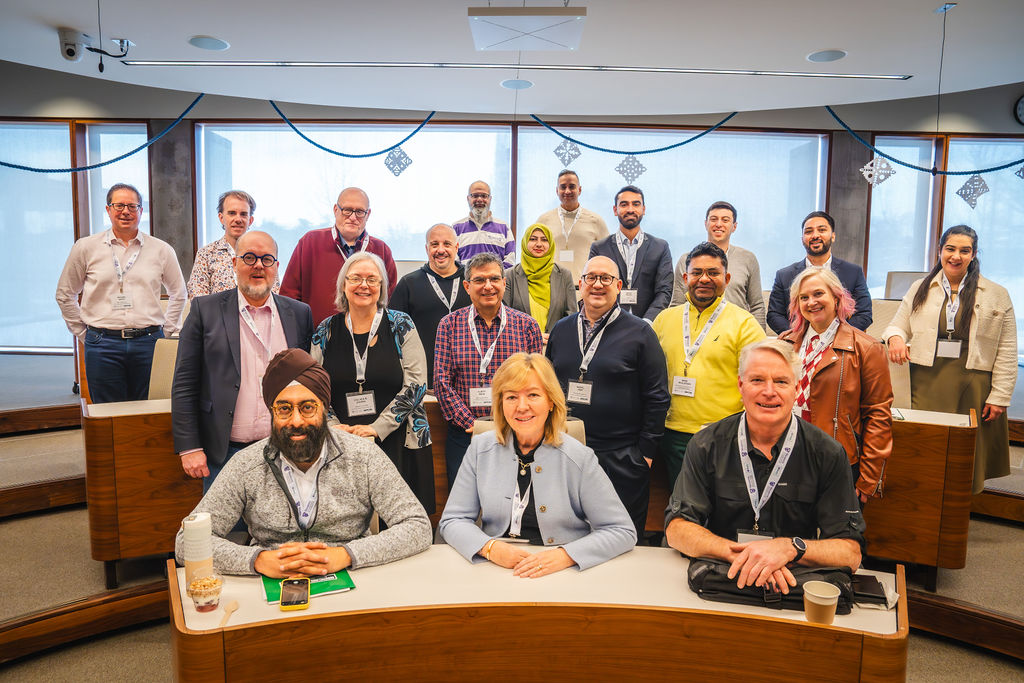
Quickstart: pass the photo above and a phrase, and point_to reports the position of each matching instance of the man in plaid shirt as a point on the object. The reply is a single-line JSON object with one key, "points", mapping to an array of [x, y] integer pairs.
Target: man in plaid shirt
{"points": [[466, 355]]}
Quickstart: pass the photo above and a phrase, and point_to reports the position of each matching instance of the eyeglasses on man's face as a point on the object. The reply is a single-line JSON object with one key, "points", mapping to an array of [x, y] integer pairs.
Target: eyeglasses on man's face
{"points": [[307, 409], [593, 278], [480, 281], [119, 206], [358, 280], [479, 195], [348, 211], [250, 259]]}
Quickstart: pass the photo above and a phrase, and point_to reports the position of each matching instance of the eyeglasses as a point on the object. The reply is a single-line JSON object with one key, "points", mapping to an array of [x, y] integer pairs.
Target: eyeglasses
{"points": [[372, 281], [250, 259], [479, 195], [492, 280], [134, 208], [348, 211], [696, 274], [307, 409], [592, 278]]}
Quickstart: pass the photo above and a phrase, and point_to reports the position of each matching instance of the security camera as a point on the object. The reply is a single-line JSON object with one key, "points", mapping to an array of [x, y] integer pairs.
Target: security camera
{"points": [[72, 43]]}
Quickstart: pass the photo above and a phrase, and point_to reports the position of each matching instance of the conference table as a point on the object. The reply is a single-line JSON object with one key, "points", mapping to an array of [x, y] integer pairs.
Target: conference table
{"points": [[435, 616]]}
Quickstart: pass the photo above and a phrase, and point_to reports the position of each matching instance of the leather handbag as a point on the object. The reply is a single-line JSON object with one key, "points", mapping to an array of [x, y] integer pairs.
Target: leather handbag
{"points": [[709, 579]]}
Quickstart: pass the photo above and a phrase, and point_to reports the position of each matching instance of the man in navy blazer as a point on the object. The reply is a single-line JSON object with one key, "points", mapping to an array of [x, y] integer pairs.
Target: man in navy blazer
{"points": [[223, 351], [818, 235], [644, 261]]}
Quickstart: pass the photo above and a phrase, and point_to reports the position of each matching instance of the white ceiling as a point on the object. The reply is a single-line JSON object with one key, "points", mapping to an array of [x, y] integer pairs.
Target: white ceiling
{"points": [[984, 47]]}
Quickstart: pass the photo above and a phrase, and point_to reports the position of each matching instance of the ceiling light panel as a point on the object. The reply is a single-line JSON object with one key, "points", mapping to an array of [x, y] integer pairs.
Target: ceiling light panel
{"points": [[527, 28]]}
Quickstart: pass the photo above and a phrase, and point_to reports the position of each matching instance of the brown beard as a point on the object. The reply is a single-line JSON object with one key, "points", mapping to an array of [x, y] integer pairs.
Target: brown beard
{"points": [[303, 451]]}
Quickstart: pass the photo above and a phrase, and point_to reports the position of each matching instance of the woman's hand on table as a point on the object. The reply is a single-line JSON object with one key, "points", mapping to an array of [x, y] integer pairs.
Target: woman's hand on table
{"points": [[543, 563], [898, 352], [991, 412], [310, 558], [506, 555]]}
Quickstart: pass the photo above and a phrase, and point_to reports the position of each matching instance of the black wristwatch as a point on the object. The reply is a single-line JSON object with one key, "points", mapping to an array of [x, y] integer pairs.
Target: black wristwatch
{"points": [[800, 546]]}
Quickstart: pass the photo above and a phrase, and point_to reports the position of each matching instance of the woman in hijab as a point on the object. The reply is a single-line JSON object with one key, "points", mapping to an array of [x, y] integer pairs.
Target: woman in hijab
{"points": [[538, 286]]}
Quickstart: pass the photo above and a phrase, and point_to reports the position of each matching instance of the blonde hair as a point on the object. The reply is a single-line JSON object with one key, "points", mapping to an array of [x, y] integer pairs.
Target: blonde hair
{"points": [[513, 375]]}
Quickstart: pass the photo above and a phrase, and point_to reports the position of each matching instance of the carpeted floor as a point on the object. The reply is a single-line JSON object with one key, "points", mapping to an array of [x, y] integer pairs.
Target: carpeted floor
{"points": [[31, 458], [30, 381]]}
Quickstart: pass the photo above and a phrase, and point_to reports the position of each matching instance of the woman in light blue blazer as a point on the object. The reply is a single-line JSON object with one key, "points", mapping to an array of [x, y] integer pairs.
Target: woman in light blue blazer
{"points": [[531, 482]]}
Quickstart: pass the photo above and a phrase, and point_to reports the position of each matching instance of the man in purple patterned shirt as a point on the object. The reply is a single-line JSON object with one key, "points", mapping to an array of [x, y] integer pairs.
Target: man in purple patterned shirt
{"points": [[472, 342], [480, 233]]}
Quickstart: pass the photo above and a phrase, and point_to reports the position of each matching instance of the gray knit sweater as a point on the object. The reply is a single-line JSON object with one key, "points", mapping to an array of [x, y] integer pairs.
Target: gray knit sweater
{"points": [[356, 479]]}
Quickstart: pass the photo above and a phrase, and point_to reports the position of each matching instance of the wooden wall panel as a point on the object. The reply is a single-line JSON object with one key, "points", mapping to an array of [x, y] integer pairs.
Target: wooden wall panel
{"points": [[100, 489]]}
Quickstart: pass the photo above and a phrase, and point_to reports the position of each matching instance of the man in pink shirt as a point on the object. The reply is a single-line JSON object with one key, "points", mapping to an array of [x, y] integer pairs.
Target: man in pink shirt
{"points": [[217, 407]]}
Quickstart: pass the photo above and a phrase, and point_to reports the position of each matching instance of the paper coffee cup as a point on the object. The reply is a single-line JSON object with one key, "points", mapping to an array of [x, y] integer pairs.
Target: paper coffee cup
{"points": [[820, 601], [197, 545]]}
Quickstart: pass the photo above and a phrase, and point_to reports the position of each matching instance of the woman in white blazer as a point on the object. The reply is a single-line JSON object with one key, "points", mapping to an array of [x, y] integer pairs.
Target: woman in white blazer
{"points": [[959, 333], [531, 482]]}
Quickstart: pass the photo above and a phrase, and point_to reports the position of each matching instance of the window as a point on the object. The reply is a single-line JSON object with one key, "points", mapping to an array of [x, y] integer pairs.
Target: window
{"points": [[773, 180], [295, 184], [37, 228], [106, 141], [997, 217], [901, 212]]}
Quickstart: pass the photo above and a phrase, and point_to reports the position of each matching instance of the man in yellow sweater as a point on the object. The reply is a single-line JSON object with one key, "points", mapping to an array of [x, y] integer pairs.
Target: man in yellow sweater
{"points": [[702, 339]]}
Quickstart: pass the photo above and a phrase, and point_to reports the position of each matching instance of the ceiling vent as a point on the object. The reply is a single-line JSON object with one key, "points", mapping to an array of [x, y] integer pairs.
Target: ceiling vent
{"points": [[527, 28]]}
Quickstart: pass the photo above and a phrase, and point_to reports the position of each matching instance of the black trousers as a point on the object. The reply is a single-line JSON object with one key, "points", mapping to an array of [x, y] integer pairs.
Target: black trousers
{"points": [[631, 477]]}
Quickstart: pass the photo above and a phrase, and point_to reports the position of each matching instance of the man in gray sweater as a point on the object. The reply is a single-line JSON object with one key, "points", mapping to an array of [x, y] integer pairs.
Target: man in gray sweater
{"points": [[308, 492], [744, 289]]}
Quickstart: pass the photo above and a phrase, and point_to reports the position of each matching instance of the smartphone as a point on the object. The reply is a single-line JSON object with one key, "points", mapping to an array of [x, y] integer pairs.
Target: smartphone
{"points": [[294, 594]]}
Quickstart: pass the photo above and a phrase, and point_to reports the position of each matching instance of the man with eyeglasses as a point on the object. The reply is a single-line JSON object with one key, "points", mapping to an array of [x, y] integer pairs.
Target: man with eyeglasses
{"points": [[612, 370], [575, 228], [119, 273], [702, 340], [480, 233], [472, 343], [313, 267], [213, 270], [644, 261], [744, 287], [286, 489], [434, 290], [225, 346]]}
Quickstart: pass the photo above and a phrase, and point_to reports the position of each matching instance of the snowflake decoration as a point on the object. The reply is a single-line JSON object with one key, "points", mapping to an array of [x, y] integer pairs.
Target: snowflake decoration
{"points": [[877, 171], [567, 152], [972, 189], [1020, 173], [630, 168], [397, 161]]}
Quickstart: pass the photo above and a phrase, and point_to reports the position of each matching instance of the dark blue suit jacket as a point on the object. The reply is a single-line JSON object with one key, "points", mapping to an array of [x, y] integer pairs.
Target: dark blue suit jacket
{"points": [[652, 276], [207, 370], [850, 274]]}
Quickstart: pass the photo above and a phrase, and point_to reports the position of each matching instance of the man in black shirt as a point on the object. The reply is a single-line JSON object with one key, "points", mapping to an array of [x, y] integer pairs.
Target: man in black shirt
{"points": [[756, 484]]}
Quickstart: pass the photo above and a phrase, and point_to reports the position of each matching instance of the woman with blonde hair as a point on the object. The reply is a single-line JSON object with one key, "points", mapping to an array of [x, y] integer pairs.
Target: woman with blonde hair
{"points": [[531, 482]]}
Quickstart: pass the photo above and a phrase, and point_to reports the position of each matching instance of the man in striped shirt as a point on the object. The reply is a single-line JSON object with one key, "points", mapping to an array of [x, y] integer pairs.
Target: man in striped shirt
{"points": [[479, 233], [472, 343]]}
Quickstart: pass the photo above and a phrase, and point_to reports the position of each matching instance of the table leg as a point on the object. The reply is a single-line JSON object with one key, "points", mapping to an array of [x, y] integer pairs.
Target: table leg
{"points": [[110, 570], [931, 578]]}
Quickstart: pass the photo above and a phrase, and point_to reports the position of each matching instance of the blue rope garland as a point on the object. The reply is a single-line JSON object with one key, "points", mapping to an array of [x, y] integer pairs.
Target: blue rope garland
{"points": [[638, 152], [141, 147], [933, 170], [343, 154]]}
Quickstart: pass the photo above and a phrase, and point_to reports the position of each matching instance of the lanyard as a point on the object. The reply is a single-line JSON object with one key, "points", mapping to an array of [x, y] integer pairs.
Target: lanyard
{"points": [[630, 260], [362, 247], [247, 317], [759, 501], [810, 356], [361, 359], [450, 301], [518, 508], [951, 308], [485, 358], [561, 217], [303, 508], [117, 264], [691, 351], [595, 339]]}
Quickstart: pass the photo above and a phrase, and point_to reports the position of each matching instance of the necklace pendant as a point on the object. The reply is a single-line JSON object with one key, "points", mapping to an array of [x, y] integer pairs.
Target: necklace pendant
{"points": [[522, 470]]}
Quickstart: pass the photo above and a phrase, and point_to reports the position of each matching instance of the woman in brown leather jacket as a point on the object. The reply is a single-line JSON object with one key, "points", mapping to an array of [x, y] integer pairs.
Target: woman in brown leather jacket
{"points": [[844, 386]]}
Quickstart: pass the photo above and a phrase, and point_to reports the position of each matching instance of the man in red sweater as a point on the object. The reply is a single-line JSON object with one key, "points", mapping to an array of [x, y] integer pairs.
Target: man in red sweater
{"points": [[312, 273]]}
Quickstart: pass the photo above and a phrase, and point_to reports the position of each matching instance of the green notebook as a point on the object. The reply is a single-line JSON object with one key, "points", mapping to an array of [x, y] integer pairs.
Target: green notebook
{"points": [[318, 585]]}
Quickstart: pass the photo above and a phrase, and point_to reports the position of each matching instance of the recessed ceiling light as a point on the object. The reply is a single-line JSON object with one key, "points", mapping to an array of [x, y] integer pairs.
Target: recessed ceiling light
{"points": [[208, 43], [516, 84], [826, 56]]}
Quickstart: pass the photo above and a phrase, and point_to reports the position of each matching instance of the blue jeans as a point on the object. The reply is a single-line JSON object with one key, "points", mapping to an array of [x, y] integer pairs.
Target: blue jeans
{"points": [[455, 447], [118, 369]]}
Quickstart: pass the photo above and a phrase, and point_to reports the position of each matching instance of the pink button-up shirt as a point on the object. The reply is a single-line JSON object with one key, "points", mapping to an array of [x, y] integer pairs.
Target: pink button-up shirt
{"points": [[252, 419]]}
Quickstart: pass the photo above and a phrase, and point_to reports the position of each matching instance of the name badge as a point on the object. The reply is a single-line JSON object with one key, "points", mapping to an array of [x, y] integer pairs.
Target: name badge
{"points": [[121, 302], [579, 392], [360, 403], [748, 535], [627, 296], [565, 256], [480, 397], [948, 348], [684, 386]]}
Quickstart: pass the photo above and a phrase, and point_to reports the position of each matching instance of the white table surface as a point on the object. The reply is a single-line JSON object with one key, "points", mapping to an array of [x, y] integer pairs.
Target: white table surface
{"points": [[125, 408], [933, 418], [440, 576]]}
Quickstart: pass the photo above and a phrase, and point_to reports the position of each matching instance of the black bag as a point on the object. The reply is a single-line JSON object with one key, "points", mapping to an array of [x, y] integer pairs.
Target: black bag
{"points": [[708, 579]]}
